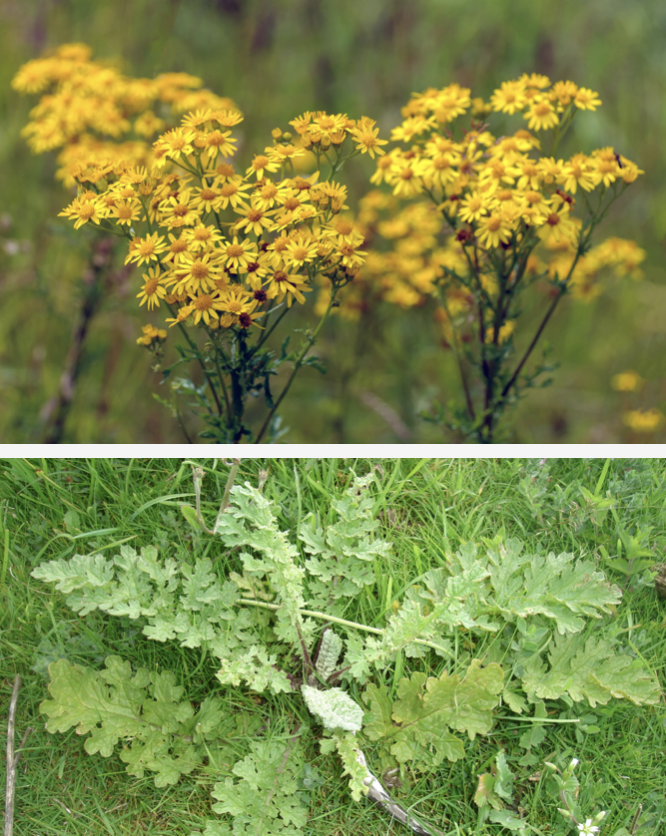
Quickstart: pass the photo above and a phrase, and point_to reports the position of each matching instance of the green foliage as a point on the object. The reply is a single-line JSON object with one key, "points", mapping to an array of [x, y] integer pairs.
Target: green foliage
{"points": [[329, 653], [166, 736], [417, 726], [343, 554], [353, 763], [512, 628], [333, 707], [591, 669], [265, 801]]}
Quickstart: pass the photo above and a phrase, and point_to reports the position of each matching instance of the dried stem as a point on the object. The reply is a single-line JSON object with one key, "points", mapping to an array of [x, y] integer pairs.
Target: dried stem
{"points": [[12, 758], [94, 280], [378, 794]]}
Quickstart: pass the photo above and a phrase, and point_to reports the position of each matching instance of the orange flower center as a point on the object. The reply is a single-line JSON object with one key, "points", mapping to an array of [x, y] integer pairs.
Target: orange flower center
{"points": [[493, 224], [255, 215], [344, 227], [208, 194], [553, 219], [203, 303], [199, 270], [215, 138], [146, 248], [151, 286], [259, 162], [235, 251]]}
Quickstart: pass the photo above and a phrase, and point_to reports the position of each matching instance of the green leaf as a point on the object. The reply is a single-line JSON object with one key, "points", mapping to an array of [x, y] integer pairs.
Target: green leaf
{"points": [[344, 550], [590, 670], [72, 522], [143, 709], [510, 821], [190, 515], [335, 708], [503, 778], [427, 708], [552, 585], [485, 795], [347, 747], [265, 800]]}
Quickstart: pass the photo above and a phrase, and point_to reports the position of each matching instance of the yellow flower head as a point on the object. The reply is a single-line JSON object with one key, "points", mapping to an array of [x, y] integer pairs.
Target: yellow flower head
{"points": [[643, 421], [629, 381]]}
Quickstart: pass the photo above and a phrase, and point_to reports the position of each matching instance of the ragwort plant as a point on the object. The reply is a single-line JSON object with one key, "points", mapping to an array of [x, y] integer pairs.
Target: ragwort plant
{"points": [[495, 627], [226, 252], [474, 220]]}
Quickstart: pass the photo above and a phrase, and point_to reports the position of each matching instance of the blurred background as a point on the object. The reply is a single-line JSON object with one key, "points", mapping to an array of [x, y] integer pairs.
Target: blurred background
{"points": [[276, 59]]}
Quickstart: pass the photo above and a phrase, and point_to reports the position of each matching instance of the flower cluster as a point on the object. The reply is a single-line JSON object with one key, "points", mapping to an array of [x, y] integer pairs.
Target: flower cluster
{"points": [[224, 246], [409, 260], [638, 420], [87, 107], [495, 196]]}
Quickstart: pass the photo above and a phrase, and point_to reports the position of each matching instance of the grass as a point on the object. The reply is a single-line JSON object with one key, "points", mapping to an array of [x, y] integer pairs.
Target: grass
{"points": [[53, 508]]}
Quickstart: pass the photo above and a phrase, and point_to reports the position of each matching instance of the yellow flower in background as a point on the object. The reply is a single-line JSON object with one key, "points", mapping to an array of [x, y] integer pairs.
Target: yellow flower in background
{"points": [[629, 381], [643, 421]]}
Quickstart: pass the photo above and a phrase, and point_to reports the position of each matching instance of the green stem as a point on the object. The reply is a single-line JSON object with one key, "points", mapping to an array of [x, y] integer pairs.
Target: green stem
{"points": [[206, 373], [342, 621], [272, 328], [217, 350], [310, 341]]}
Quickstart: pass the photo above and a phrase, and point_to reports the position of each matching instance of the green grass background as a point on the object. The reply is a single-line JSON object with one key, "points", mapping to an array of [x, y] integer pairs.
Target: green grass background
{"points": [[277, 58], [426, 508]]}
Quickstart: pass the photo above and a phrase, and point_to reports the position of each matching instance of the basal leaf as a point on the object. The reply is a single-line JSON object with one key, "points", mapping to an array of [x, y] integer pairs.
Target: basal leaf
{"points": [[335, 708], [590, 670], [265, 800], [427, 710], [143, 709]]}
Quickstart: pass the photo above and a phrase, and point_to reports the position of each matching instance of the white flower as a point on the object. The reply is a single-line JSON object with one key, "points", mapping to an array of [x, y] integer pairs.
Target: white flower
{"points": [[587, 829], [574, 763]]}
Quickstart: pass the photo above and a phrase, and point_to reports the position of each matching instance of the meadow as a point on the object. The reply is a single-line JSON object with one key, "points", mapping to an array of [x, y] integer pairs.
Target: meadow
{"points": [[389, 366], [609, 512]]}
